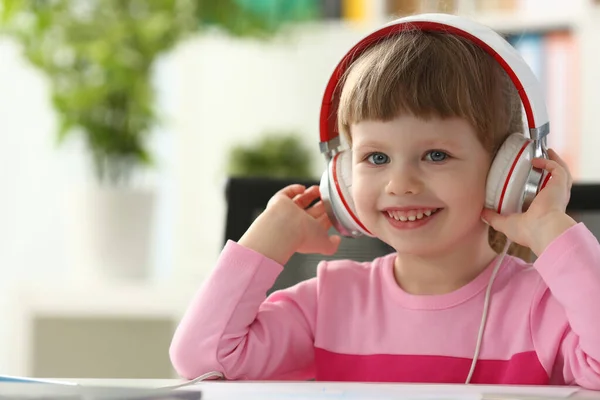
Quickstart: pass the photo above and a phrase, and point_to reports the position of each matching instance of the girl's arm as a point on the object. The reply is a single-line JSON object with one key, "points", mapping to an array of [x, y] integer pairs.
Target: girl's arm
{"points": [[230, 328], [565, 318]]}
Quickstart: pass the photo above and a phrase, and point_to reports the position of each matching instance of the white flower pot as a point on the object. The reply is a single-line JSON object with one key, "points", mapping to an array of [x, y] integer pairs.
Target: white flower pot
{"points": [[110, 233]]}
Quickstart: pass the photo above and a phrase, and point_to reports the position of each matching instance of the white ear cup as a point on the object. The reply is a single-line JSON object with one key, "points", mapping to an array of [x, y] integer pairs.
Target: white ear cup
{"points": [[343, 176], [508, 175], [336, 193]]}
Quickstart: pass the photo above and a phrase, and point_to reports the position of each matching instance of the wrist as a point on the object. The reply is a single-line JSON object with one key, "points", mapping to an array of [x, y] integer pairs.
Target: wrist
{"points": [[547, 229], [271, 236]]}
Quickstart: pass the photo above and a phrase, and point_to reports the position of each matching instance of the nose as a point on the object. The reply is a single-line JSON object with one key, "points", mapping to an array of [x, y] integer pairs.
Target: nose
{"points": [[405, 179]]}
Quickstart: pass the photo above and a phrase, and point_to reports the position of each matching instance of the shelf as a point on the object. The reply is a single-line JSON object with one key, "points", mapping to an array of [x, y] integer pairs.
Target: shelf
{"points": [[503, 23], [511, 23]]}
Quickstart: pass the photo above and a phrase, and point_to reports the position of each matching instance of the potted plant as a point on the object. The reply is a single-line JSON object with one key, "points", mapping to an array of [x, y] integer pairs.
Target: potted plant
{"points": [[99, 57], [275, 155]]}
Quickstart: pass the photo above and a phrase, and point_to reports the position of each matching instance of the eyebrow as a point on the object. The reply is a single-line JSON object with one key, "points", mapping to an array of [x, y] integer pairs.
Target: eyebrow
{"points": [[368, 143], [440, 142], [431, 142]]}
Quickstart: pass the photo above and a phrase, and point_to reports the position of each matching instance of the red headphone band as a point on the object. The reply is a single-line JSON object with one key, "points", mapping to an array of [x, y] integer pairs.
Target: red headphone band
{"points": [[328, 116]]}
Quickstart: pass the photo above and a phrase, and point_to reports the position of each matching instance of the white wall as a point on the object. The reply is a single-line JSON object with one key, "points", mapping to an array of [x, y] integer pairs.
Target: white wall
{"points": [[32, 174], [36, 178], [32, 177], [589, 32]]}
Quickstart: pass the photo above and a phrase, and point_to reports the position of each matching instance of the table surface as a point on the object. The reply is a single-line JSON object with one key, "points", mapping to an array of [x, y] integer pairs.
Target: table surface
{"points": [[253, 390], [352, 390]]}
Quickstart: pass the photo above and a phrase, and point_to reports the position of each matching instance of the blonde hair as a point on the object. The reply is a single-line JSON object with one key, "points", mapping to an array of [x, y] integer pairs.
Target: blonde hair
{"points": [[433, 74]]}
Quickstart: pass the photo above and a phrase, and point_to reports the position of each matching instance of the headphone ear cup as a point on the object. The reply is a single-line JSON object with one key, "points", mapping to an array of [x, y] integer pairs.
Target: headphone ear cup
{"points": [[507, 177], [343, 177], [337, 195]]}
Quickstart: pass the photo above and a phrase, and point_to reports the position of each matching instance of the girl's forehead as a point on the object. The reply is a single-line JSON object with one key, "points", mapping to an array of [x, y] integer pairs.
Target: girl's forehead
{"points": [[450, 134], [434, 129]]}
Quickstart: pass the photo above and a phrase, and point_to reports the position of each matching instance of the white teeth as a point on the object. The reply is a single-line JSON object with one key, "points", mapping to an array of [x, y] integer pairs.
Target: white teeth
{"points": [[414, 215]]}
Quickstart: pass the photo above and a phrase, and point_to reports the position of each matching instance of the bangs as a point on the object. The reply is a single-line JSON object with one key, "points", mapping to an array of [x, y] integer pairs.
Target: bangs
{"points": [[427, 75]]}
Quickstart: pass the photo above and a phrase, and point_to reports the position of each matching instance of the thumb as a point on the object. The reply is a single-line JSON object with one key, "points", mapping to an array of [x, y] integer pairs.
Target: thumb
{"points": [[493, 219]]}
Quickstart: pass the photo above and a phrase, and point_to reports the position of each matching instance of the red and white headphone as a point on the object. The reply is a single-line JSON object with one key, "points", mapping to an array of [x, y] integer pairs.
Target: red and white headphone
{"points": [[512, 183]]}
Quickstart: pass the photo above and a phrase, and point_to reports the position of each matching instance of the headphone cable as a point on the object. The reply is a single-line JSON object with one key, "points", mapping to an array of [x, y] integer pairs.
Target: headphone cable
{"points": [[486, 305]]}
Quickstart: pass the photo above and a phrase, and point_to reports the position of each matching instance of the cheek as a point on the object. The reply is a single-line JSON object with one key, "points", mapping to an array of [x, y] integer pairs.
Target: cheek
{"points": [[468, 190], [363, 191]]}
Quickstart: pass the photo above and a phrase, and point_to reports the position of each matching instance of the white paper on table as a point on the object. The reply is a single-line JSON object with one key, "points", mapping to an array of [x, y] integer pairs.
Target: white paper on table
{"points": [[229, 390]]}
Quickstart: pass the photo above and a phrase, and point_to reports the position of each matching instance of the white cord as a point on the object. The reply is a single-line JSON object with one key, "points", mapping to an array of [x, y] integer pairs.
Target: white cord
{"points": [[486, 305], [208, 375]]}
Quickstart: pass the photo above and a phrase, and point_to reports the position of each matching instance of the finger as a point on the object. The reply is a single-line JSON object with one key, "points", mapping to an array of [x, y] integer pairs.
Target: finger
{"points": [[328, 245], [316, 210], [291, 191], [493, 219], [555, 157], [305, 199], [324, 221], [554, 168]]}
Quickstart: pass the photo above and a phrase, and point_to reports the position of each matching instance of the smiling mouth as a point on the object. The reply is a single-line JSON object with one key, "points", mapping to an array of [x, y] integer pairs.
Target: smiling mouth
{"points": [[410, 216]]}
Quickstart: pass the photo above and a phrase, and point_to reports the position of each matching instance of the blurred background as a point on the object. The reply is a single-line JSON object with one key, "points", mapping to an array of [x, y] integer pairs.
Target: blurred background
{"points": [[121, 122]]}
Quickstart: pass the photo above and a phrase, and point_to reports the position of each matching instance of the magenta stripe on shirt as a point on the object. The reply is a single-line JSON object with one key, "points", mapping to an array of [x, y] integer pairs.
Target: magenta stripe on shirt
{"points": [[522, 368]]}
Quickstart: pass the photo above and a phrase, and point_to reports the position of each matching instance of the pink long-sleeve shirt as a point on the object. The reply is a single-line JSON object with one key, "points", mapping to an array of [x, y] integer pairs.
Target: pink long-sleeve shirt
{"points": [[352, 322]]}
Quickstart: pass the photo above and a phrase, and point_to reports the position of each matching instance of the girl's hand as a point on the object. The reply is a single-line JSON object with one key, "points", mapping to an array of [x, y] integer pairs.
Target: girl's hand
{"points": [[288, 225], [546, 217]]}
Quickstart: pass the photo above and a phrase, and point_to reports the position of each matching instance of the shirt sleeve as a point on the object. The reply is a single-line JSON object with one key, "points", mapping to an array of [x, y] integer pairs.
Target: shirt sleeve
{"points": [[233, 328], [565, 321]]}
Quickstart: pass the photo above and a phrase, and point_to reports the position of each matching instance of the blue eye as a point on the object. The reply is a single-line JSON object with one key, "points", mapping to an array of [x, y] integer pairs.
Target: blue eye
{"points": [[437, 156], [378, 158]]}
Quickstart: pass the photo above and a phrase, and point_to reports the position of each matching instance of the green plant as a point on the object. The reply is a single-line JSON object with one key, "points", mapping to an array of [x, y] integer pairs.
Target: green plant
{"points": [[99, 57], [275, 155]]}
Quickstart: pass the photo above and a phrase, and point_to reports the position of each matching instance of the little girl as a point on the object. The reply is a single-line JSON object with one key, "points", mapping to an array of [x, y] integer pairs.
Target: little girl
{"points": [[424, 114]]}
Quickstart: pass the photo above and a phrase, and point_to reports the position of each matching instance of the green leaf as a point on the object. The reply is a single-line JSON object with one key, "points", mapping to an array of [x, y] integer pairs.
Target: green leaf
{"points": [[277, 154]]}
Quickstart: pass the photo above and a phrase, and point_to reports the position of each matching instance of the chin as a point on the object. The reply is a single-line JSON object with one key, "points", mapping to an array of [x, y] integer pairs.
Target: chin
{"points": [[438, 238]]}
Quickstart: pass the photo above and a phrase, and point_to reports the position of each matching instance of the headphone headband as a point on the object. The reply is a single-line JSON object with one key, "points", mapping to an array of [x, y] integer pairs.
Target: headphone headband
{"points": [[507, 56]]}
